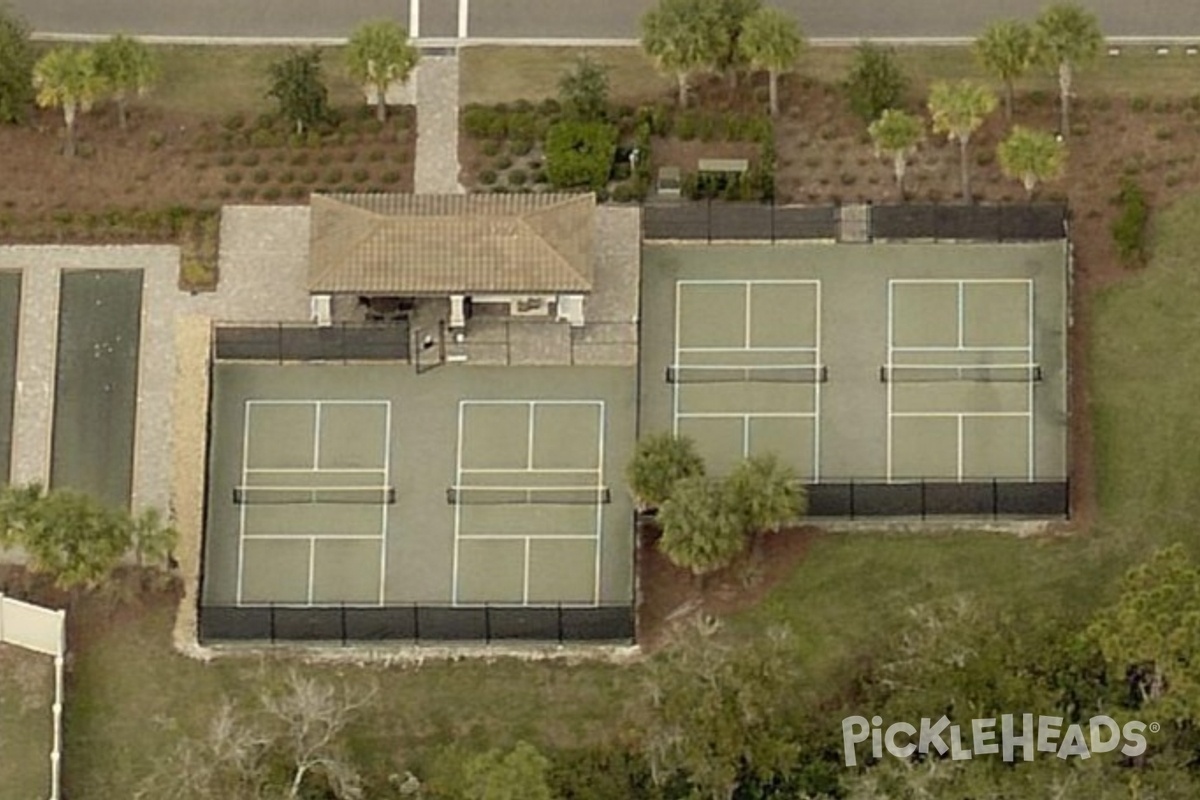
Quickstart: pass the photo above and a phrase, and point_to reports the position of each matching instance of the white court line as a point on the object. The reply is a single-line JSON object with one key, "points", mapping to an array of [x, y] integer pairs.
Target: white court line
{"points": [[816, 471], [745, 281], [962, 349], [316, 436], [516, 537], [739, 414], [324, 537], [566, 402], [748, 293], [293, 402], [311, 471], [891, 332], [972, 281], [600, 506], [1030, 402], [385, 512], [457, 506], [961, 414], [312, 569], [530, 425], [241, 560], [536, 471], [675, 358], [750, 349]]}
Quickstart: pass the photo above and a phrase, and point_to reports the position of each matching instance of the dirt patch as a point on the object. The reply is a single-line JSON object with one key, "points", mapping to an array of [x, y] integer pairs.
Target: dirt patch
{"points": [[670, 595]]}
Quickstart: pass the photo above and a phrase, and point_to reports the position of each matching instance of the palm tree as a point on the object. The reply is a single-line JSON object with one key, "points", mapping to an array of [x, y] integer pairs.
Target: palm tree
{"points": [[1032, 157], [67, 78], [897, 133], [680, 36], [700, 531], [772, 40], [1006, 50], [1066, 36], [661, 461], [765, 494], [958, 109], [378, 55], [129, 67]]}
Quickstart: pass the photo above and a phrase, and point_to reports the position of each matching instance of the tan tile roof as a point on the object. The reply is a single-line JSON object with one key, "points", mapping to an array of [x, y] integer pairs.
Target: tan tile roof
{"points": [[439, 244]]}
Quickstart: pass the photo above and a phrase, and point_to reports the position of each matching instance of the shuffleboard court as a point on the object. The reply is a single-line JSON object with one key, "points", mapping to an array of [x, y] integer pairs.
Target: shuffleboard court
{"points": [[95, 398], [10, 312]]}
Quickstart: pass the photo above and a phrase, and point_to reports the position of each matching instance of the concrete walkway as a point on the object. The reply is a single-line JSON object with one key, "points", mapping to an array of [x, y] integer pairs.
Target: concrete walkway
{"points": [[436, 169], [264, 259]]}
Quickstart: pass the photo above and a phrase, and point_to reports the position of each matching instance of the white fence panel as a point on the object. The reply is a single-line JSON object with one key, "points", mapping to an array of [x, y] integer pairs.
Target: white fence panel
{"points": [[32, 627]]}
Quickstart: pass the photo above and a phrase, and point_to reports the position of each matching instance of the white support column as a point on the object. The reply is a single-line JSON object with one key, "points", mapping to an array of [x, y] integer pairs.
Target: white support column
{"points": [[458, 315], [414, 18]]}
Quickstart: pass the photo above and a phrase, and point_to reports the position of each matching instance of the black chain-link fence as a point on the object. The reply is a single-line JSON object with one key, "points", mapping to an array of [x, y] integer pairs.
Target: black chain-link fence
{"points": [[993, 499], [715, 220], [723, 221], [288, 342], [417, 623]]}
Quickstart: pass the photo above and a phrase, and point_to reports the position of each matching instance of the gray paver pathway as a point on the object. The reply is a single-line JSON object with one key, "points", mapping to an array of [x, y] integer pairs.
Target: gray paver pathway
{"points": [[436, 169]]}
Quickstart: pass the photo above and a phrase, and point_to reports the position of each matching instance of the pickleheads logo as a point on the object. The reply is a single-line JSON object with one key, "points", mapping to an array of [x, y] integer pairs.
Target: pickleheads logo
{"points": [[1041, 734]]}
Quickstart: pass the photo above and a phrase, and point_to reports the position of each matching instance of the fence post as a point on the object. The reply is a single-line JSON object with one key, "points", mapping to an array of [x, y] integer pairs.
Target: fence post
{"points": [[852, 498], [1067, 498], [416, 612], [487, 623], [271, 621], [995, 498], [923, 507], [772, 208], [279, 342], [708, 227], [342, 616], [560, 623]]}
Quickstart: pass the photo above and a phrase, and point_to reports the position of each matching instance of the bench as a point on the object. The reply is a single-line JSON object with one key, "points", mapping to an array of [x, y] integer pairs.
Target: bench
{"points": [[724, 165], [669, 181]]}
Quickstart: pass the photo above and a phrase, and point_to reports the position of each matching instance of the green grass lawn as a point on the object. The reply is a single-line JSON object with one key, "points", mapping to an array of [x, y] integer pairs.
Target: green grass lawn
{"points": [[224, 80], [26, 727], [505, 74]]}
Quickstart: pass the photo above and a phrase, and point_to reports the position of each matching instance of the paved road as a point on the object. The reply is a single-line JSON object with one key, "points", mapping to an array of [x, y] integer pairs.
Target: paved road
{"points": [[568, 19]]}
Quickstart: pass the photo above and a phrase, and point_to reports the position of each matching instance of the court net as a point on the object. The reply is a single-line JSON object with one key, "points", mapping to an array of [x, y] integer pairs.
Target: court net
{"points": [[951, 373], [515, 495], [760, 374], [306, 495]]}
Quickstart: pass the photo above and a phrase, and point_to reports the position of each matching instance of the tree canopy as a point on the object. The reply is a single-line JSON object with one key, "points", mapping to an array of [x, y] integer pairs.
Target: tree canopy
{"points": [[1032, 157], [583, 91], [298, 84], [129, 69], [701, 531], [67, 78], [1066, 36], [16, 66], [683, 37], [771, 40], [660, 461], [378, 55], [75, 539], [958, 109], [1005, 50], [897, 134], [875, 83]]}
